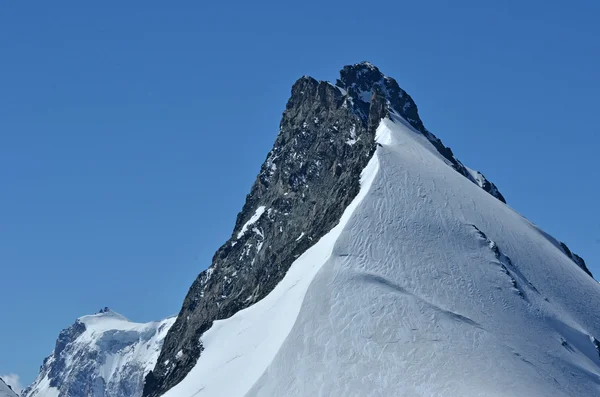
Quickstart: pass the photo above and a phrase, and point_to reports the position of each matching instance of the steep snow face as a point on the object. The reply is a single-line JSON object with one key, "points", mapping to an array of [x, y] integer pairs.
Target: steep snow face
{"points": [[246, 343], [428, 286], [6, 391], [103, 354]]}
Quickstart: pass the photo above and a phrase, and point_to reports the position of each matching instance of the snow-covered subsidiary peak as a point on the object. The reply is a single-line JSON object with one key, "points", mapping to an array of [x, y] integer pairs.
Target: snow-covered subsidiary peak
{"points": [[6, 390], [428, 286], [101, 355]]}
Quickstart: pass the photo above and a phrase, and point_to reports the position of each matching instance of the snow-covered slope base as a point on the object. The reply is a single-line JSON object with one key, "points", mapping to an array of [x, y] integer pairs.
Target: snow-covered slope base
{"points": [[429, 286], [5, 390], [101, 355]]}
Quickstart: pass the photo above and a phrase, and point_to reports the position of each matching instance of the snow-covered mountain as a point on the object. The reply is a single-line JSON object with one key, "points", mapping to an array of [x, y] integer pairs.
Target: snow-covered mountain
{"points": [[366, 261], [369, 261], [6, 390], [101, 355]]}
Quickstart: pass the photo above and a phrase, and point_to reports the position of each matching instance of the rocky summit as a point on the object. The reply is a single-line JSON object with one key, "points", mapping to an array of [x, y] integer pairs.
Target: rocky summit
{"points": [[326, 137]]}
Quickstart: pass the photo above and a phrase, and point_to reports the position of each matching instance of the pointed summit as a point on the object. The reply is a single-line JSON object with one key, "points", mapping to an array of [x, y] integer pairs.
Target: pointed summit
{"points": [[366, 86]]}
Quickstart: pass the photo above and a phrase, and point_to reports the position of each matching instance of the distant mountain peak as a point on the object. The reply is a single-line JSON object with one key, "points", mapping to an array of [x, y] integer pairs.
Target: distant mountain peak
{"points": [[103, 354]]}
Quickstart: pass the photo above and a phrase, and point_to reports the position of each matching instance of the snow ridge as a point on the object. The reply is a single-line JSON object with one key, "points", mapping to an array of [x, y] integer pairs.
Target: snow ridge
{"points": [[408, 296]]}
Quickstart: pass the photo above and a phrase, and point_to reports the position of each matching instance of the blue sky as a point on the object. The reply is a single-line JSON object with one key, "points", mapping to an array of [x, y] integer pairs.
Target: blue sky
{"points": [[130, 134]]}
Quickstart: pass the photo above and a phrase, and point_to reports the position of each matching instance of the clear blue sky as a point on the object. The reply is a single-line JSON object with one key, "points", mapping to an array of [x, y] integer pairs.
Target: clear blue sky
{"points": [[130, 134]]}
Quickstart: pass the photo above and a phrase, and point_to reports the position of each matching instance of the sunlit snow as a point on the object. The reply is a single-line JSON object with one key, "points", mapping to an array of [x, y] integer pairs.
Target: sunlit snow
{"points": [[255, 217], [428, 286]]}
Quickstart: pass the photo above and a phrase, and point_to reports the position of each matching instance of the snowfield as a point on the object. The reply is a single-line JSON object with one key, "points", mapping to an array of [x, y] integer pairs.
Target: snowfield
{"points": [[428, 286]]}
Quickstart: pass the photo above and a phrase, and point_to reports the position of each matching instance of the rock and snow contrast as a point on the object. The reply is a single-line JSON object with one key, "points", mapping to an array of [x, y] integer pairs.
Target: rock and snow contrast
{"points": [[367, 260], [6, 390], [101, 355]]}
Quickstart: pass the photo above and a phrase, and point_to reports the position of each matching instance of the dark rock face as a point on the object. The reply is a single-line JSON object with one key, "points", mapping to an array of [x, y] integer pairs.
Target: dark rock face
{"points": [[575, 258], [326, 138]]}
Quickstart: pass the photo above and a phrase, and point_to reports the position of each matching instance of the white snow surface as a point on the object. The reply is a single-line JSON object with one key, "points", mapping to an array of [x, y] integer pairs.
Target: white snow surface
{"points": [[428, 286], [6, 391], [255, 217], [115, 349]]}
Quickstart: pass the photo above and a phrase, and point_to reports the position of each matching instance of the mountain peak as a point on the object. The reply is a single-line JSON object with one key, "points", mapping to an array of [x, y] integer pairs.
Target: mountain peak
{"points": [[362, 82], [327, 136], [364, 239]]}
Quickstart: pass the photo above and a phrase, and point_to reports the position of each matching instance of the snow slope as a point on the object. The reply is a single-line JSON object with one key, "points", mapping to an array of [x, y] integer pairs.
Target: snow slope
{"points": [[6, 391], [103, 354], [429, 286]]}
